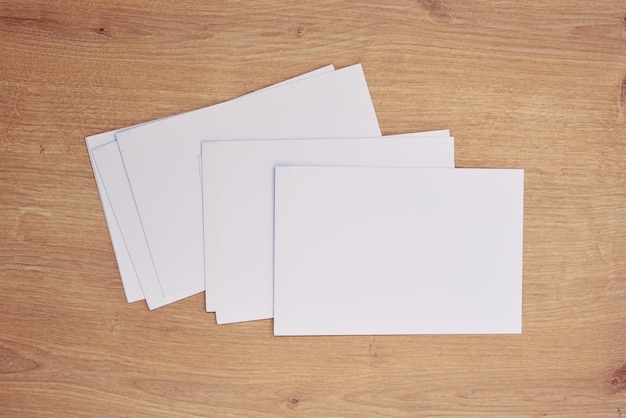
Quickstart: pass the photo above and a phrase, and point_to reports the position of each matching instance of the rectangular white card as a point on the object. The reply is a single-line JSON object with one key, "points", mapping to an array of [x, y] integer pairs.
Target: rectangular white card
{"points": [[365, 251], [238, 186], [160, 159], [123, 253], [228, 317]]}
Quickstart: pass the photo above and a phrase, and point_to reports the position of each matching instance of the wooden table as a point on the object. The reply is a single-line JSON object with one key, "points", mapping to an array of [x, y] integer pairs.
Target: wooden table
{"points": [[538, 86]]}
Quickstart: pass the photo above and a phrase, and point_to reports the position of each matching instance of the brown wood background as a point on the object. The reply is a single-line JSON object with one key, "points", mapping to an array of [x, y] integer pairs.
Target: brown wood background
{"points": [[539, 85]]}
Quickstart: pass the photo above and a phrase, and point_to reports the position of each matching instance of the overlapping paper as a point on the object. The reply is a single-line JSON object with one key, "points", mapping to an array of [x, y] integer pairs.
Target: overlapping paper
{"points": [[288, 204]]}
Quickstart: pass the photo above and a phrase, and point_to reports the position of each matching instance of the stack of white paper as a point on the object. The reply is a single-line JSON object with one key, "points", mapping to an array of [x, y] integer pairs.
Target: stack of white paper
{"points": [[288, 204]]}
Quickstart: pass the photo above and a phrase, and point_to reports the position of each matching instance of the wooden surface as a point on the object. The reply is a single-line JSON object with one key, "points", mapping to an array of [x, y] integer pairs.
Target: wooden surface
{"points": [[534, 85]]}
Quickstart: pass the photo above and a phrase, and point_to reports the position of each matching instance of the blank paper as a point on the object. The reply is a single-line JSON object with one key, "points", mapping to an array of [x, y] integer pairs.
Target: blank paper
{"points": [[160, 159], [238, 185], [124, 253], [397, 251], [130, 282]]}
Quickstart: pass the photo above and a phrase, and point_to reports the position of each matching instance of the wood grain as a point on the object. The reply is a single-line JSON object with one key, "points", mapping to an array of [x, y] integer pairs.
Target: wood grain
{"points": [[535, 85]]}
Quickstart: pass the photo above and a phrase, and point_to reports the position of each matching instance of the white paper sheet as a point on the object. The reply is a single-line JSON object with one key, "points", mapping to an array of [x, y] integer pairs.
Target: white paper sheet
{"points": [[232, 317], [229, 317], [398, 251], [130, 283], [124, 258], [160, 161], [239, 207]]}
